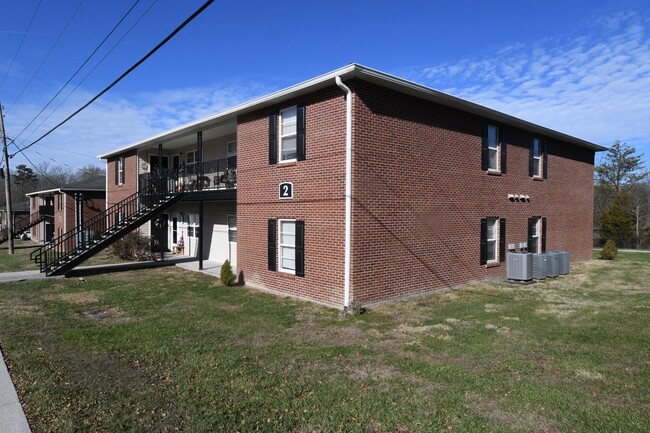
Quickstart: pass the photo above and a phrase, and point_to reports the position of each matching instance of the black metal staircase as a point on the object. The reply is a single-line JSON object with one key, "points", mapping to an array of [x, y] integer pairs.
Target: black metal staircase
{"points": [[72, 248], [44, 213]]}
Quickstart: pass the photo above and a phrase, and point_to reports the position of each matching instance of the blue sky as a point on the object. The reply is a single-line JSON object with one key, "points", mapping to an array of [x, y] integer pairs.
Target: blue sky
{"points": [[581, 67]]}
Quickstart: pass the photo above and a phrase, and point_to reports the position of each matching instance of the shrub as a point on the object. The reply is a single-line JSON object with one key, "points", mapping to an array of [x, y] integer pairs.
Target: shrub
{"points": [[227, 277], [355, 309], [133, 246], [609, 251]]}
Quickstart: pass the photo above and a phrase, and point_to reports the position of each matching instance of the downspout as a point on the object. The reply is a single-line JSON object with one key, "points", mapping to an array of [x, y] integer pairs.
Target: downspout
{"points": [[348, 190]]}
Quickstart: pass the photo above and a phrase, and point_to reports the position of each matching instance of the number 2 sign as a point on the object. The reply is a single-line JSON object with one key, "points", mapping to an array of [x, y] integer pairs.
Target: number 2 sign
{"points": [[286, 190]]}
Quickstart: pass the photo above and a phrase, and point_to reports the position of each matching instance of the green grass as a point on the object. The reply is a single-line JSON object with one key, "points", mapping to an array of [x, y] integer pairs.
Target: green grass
{"points": [[171, 350]]}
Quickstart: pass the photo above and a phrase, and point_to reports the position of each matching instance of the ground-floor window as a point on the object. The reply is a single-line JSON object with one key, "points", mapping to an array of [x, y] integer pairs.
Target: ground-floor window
{"points": [[493, 238], [193, 229], [536, 235], [232, 228], [286, 239]]}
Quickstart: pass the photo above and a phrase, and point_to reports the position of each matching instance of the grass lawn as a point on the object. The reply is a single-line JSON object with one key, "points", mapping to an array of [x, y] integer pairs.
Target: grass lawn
{"points": [[170, 350]]}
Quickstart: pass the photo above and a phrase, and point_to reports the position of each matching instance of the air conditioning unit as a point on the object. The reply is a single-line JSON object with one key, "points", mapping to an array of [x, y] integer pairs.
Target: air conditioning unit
{"points": [[564, 262], [539, 266], [519, 266], [552, 264]]}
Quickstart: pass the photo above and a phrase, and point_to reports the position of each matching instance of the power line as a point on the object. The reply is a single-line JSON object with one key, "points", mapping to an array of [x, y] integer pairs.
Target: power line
{"points": [[38, 5], [48, 54], [80, 67], [128, 71], [91, 71]]}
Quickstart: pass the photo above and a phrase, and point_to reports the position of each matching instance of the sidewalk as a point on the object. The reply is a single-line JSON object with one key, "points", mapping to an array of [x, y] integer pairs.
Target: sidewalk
{"points": [[12, 417]]}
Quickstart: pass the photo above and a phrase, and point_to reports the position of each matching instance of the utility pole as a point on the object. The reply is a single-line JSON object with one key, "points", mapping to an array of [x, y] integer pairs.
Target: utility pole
{"points": [[10, 220]]}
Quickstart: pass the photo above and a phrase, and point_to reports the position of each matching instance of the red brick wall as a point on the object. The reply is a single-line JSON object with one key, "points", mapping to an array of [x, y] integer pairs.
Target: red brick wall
{"points": [[319, 187], [419, 195], [117, 193]]}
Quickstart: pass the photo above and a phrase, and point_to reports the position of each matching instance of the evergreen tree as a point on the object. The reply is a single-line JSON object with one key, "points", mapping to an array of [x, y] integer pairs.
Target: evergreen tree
{"points": [[617, 223]]}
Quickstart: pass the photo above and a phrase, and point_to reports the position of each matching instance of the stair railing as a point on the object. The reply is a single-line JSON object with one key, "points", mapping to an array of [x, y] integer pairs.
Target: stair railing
{"points": [[155, 191]]}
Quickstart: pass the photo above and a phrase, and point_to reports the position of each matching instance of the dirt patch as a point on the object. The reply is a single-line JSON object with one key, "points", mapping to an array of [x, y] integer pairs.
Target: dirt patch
{"points": [[520, 421], [20, 310], [77, 298], [107, 315]]}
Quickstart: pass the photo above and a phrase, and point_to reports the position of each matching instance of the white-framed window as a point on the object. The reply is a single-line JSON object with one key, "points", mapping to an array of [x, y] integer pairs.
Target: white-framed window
{"points": [[120, 170], [535, 244], [287, 242], [193, 229], [537, 157], [492, 239], [190, 157], [231, 149], [232, 228], [288, 134], [493, 148]]}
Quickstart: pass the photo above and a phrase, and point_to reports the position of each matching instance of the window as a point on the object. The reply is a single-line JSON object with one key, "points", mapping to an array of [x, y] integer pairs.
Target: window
{"points": [[494, 149], [537, 157], [493, 240], [232, 228], [190, 157], [290, 238], [288, 246], [536, 235], [193, 230], [119, 170], [287, 135], [59, 201], [288, 131]]}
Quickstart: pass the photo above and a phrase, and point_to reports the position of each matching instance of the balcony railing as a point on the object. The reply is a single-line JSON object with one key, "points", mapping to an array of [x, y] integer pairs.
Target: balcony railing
{"points": [[207, 175]]}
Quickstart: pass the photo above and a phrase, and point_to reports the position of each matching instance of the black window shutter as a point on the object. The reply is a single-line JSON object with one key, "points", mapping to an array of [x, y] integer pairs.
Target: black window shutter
{"points": [[483, 241], [531, 231], [484, 148], [545, 159], [273, 138], [531, 158], [502, 240], [117, 170], [504, 150], [272, 244], [301, 149], [300, 248], [543, 235]]}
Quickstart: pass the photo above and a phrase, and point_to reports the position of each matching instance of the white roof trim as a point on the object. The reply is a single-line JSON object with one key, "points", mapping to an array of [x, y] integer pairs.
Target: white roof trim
{"points": [[346, 72]]}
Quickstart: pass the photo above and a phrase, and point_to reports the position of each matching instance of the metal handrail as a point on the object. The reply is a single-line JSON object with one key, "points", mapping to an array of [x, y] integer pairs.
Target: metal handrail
{"points": [[78, 239]]}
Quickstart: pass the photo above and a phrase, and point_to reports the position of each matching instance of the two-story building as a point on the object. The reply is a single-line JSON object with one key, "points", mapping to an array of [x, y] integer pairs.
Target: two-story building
{"points": [[359, 185]]}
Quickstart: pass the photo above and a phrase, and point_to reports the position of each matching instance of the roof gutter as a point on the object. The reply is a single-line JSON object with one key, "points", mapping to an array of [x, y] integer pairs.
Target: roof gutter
{"points": [[348, 190]]}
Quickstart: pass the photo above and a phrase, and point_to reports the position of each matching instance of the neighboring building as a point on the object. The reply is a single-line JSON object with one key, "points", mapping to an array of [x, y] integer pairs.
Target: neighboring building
{"points": [[64, 203], [20, 219], [439, 187]]}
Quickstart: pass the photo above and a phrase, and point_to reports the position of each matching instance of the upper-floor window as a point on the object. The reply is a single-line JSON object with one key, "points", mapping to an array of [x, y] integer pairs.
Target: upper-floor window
{"points": [[119, 170], [190, 157], [537, 157], [288, 132], [287, 135], [59, 201], [493, 157], [493, 148]]}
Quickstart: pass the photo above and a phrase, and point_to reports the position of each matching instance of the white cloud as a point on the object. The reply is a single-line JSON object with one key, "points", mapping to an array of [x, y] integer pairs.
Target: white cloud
{"points": [[595, 85]]}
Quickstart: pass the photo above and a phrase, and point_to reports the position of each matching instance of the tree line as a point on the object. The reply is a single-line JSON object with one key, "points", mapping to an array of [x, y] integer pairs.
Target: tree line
{"points": [[24, 179], [622, 199]]}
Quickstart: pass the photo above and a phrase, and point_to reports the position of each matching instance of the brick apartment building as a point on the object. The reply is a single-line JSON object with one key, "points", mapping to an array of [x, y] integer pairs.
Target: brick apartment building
{"points": [[67, 204], [437, 187]]}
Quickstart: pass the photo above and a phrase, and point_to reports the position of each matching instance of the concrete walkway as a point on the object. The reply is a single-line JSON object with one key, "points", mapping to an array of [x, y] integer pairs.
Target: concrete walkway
{"points": [[12, 417]]}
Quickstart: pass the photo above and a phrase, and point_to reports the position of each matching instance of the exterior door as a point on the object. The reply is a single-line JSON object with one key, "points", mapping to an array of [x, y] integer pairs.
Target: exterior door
{"points": [[153, 163], [159, 235]]}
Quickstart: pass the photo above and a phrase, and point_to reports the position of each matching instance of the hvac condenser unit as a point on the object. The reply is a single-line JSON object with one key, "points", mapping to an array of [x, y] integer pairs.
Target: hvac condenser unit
{"points": [[539, 266], [519, 266], [563, 262], [552, 264]]}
